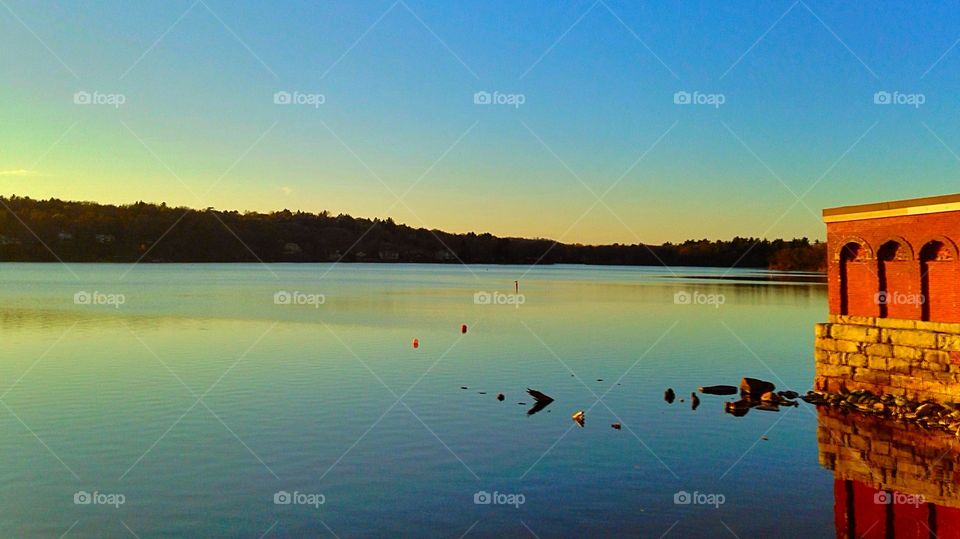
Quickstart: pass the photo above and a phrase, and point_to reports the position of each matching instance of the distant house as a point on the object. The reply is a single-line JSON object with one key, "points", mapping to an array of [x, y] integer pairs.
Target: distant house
{"points": [[445, 254], [361, 254], [291, 249], [105, 238], [389, 254], [6, 240], [64, 236]]}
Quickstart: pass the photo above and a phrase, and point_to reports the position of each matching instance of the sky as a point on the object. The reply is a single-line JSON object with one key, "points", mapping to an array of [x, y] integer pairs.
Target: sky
{"points": [[608, 121]]}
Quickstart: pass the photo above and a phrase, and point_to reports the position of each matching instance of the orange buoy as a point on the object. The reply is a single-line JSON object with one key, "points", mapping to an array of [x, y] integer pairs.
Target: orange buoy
{"points": [[463, 328], [416, 343]]}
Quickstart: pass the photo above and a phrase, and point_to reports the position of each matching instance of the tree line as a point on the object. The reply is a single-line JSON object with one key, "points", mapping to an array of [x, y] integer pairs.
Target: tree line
{"points": [[90, 232]]}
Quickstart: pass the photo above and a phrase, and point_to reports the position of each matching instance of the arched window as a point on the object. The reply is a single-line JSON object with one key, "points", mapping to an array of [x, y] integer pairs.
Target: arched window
{"points": [[856, 279], [936, 272], [895, 280]]}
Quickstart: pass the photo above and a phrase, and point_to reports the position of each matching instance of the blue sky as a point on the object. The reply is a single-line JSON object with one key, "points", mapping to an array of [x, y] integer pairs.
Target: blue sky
{"points": [[198, 125]]}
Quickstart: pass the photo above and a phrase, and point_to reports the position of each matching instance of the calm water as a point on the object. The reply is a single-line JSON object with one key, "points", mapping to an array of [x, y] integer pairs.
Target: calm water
{"points": [[199, 398]]}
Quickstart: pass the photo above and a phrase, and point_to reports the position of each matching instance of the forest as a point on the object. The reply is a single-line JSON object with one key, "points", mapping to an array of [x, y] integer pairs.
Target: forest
{"points": [[48, 230]]}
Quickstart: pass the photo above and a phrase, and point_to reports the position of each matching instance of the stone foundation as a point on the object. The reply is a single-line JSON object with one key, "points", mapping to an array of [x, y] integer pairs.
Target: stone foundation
{"points": [[907, 358]]}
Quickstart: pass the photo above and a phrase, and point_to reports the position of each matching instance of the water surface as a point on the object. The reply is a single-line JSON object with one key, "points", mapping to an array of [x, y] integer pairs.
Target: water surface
{"points": [[199, 398]]}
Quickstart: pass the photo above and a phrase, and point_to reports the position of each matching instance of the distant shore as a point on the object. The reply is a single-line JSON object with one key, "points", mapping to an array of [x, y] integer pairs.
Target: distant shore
{"points": [[63, 231]]}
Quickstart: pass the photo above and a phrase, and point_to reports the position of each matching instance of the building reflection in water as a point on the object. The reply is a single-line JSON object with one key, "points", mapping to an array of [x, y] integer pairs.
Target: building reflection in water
{"points": [[890, 479]]}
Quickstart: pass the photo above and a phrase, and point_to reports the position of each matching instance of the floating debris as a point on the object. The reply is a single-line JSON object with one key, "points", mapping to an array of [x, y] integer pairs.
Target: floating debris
{"points": [[694, 401], [616, 426], [464, 387], [416, 343], [599, 379], [578, 417], [463, 328], [717, 390], [669, 395], [500, 396], [482, 392]]}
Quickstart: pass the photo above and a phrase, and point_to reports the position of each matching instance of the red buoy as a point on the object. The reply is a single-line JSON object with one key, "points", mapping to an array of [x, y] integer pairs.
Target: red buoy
{"points": [[416, 343], [463, 328]]}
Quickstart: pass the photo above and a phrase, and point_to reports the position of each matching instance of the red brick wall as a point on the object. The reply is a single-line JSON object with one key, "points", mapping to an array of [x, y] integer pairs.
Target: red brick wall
{"points": [[903, 276]]}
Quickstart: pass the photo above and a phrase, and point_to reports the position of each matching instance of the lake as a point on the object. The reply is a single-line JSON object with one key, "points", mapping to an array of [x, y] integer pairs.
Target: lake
{"points": [[288, 400]]}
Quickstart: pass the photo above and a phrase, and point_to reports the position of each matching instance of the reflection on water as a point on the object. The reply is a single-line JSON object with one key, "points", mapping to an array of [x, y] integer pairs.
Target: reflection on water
{"points": [[303, 398], [890, 479]]}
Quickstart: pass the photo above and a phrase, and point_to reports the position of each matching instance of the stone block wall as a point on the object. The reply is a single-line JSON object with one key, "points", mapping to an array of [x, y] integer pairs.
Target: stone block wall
{"points": [[913, 359]]}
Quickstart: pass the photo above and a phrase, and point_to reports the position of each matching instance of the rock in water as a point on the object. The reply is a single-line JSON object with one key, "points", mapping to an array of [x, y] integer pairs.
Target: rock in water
{"points": [[717, 390], [500, 396], [694, 401], [739, 408], [755, 387], [578, 417], [616, 426], [669, 395], [788, 394]]}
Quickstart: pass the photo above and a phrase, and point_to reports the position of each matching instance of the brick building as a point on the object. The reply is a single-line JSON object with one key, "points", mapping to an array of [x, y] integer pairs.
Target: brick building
{"points": [[896, 259], [894, 295]]}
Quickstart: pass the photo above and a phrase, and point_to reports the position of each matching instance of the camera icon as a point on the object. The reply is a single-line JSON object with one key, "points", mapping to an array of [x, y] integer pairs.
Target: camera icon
{"points": [[82, 497], [282, 98], [882, 98], [880, 298], [82, 98], [882, 498], [682, 98], [482, 98], [482, 497], [483, 298], [282, 498], [682, 298], [682, 498], [283, 298], [82, 298]]}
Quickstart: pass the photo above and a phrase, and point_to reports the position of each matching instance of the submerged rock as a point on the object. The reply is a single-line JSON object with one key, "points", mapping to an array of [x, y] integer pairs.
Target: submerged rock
{"points": [[500, 396], [717, 390], [669, 395], [694, 401]]}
